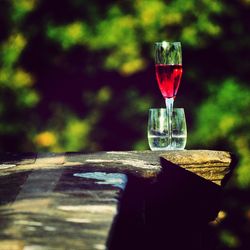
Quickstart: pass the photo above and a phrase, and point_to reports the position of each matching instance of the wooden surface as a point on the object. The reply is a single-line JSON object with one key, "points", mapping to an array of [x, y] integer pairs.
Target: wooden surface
{"points": [[70, 201]]}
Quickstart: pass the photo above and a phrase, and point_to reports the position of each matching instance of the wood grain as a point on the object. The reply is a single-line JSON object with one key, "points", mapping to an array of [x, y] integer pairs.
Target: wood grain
{"points": [[70, 200]]}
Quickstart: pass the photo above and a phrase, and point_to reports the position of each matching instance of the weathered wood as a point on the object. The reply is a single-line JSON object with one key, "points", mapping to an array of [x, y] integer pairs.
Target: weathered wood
{"points": [[211, 165], [56, 209], [70, 201]]}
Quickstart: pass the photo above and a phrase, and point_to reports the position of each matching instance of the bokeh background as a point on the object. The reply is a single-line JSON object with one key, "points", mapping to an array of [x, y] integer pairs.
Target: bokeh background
{"points": [[78, 75]]}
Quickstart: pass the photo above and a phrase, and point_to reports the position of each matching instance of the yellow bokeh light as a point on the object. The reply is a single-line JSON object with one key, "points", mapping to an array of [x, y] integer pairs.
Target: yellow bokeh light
{"points": [[132, 66], [46, 139], [75, 30], [22, 78], [227, 123], [12, 48]]}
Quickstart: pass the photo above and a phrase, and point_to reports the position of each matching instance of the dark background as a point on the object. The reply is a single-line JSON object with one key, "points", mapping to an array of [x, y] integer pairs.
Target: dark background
{"points": [[78, 75]]}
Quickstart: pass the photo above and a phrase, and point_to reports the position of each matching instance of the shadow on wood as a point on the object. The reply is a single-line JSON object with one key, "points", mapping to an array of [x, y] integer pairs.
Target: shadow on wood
{"points": [[172, 212]]}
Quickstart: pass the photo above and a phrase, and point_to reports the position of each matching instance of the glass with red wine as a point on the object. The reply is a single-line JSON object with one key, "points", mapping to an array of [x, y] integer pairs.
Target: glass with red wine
{"points": [[168, 68]]}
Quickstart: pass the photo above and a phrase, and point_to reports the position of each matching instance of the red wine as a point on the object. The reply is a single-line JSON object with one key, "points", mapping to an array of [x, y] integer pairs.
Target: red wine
{"points": [[168, 78]]}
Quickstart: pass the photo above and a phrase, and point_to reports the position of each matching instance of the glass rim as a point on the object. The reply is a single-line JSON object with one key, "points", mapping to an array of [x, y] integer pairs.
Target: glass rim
{"points": [[162, 109], [160, 43]]}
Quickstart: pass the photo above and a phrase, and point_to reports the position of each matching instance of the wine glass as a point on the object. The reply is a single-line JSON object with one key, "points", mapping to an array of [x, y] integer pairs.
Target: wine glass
{"points": [[168, 67]]}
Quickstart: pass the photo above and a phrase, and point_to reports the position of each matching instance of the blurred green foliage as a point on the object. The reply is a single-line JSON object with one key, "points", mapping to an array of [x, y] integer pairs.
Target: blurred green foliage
{"points": [[78, 75]]}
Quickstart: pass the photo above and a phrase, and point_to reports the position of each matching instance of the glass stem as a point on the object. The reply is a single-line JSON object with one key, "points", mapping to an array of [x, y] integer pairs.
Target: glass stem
{"points": [[169, 105]]}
